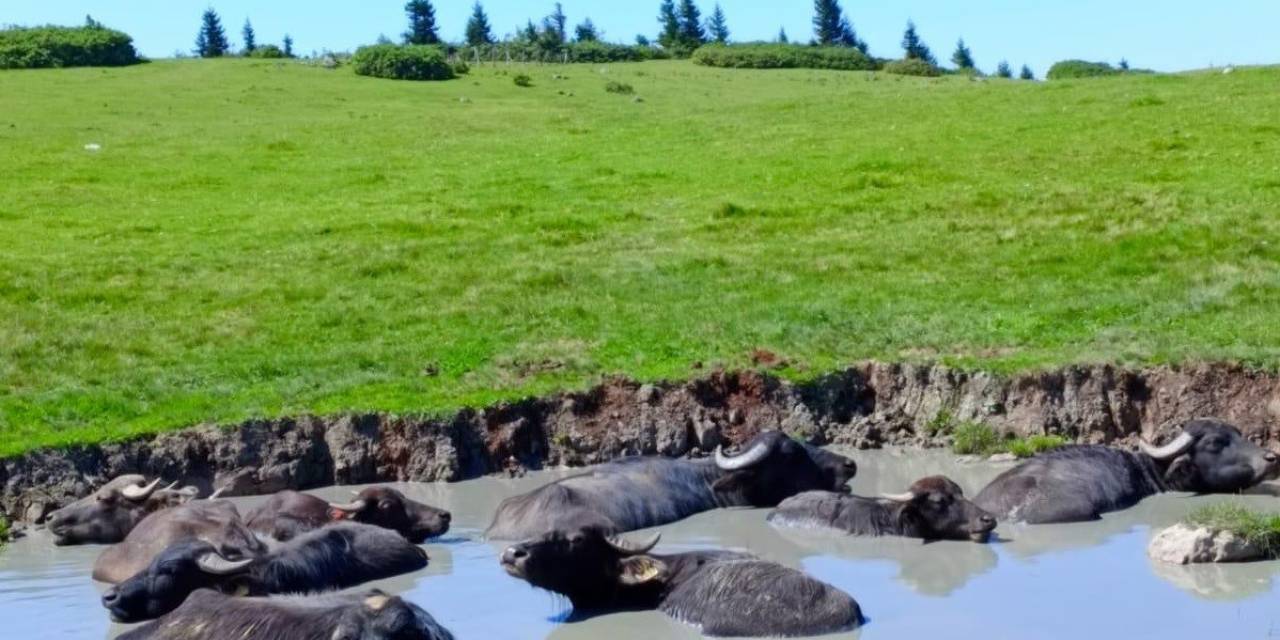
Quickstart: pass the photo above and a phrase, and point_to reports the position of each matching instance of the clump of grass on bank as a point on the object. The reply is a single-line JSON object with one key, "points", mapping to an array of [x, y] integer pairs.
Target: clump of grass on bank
{"points": [[50, 47], [5, 531], [975, 438], [253, 239], [1259, 528]]}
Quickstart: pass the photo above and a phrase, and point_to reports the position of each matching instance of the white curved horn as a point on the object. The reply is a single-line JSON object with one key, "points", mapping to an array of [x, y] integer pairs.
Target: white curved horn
{"points": [[358, 505], [752, 457], [633, 548], [134, 492], [1179, 446], [898, 497], [212, 562]]}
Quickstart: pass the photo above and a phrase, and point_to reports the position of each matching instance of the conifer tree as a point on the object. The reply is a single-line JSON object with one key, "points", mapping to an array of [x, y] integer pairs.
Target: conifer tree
{"points": [[1003, 70], [422, 23], [1124, 64], [669, 35], [528, 33], [782, 36], [849, 37], [211, 42], [914, 47], [288, 46], [827, 25], [558, 24], [1027, 73], [250, 39], [691, 33], [717, 26], [963, 57], [91, 23], [586, 32], [479, 32]]}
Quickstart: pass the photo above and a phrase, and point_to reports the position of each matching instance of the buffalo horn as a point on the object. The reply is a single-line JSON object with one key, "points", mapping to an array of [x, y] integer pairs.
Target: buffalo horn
{"points": [[633, 548], [358, 505], [898, 497], [217, 494], [212, 562], [135, 492], [1174, 449], [752, 457]]}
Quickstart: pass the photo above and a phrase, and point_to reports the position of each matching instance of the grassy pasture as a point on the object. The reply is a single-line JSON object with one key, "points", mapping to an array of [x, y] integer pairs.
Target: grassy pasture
{"points": [[259, 238]]}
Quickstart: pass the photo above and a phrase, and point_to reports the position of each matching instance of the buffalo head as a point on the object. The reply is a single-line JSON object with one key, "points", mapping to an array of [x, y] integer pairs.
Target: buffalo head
{"points": [[585, 565], [387, 508], [935, 508], [173, 575], [1210, 456], [773, 467], [383, 617], [108, 515]]}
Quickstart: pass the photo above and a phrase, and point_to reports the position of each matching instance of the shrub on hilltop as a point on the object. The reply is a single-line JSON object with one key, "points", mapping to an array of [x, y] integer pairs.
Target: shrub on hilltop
{"points": [[783, 56], [52, 47], [912, 67], [402, 62]]}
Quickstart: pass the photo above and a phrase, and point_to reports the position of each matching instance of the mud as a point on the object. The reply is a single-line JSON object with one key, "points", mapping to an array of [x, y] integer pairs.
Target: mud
{"points": [[868, 406]]}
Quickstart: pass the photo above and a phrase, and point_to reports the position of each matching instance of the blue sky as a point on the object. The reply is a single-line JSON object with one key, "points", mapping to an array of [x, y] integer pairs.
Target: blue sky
{"points": [[1165, 35]]}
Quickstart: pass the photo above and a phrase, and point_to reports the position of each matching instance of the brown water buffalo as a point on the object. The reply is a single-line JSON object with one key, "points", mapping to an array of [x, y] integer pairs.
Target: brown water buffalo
{"points": [[372, 615], [334, 557], [1080, 483], [934, 508], [111, 512], [289, 513], [216, 522], [640, 492], [722, 593]]}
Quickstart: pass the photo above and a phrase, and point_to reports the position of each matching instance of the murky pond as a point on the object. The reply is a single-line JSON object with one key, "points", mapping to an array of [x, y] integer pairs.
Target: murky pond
{"points": [[1067, 581]]}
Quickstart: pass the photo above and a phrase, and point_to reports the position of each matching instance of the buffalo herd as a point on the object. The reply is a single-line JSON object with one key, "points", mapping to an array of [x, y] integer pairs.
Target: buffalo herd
{"points": [[196, 568]]}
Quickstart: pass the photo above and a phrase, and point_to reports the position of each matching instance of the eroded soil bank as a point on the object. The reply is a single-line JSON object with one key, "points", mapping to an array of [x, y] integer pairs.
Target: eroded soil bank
{"points": [[867, 406]]}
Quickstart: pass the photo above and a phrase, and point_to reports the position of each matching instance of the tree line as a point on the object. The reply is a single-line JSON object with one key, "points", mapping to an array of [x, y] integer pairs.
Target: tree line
{"points": [[682, 28]]}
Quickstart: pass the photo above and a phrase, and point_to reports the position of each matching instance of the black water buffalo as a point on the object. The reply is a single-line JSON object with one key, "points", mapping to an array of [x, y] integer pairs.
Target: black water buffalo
{"points": [[335, 557], [722, 593], [108, 515], [1079, 483], [373, 615], [289, 513], [639, 492], [934, 508], [214, 521]]}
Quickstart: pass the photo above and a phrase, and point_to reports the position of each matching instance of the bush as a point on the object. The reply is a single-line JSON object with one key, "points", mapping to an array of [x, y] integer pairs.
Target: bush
{"points": [[1261, 529], [48, 47], [1068, 69], [912, 67], [402, 62], [782, 56], [460, 67], [623, 88], [522, 80], [975, 438], [267, 51]]}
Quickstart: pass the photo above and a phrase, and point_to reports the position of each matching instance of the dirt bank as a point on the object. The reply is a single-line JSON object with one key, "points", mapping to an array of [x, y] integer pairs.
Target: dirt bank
{"points": [[867, 406]]}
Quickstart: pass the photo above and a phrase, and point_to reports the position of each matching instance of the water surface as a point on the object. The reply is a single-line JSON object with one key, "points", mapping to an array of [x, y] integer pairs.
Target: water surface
{"points": [[1050, 582]]}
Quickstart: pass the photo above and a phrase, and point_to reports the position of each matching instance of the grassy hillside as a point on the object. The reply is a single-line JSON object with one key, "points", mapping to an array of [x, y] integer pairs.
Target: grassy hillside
{"points": [[259, 238]]}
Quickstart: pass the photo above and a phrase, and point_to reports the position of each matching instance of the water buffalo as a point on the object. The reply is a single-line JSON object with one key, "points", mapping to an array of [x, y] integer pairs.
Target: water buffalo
{"points": [[108, 515], [214, 521], [289, 513], [373, 615], [1080, 483], [934, 508], [722, 593], [640, 492], [335, 557]]}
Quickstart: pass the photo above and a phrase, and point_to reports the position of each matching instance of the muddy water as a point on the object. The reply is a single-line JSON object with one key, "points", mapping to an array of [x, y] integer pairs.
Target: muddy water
{"points": [[1064, 581]]}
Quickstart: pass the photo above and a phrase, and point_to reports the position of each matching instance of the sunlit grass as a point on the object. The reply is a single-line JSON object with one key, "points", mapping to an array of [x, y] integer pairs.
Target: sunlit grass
{"points": [[258, 238], [1259, 528]]}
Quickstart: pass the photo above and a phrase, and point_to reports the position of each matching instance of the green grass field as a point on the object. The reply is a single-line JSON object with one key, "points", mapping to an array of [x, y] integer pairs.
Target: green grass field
{"points": [[258, 238]]}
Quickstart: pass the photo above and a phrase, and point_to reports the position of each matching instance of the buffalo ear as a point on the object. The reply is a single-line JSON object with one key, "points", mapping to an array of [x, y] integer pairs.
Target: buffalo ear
{"points": [[1182, 474], [637, 570]]}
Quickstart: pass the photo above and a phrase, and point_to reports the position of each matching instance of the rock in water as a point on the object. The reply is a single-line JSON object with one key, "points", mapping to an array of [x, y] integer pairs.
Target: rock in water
{"points": [[1184, 544]]}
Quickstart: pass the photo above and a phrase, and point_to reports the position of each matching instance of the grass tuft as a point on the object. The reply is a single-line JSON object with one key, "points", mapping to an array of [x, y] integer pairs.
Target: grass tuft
{"points": [[1258, 527]]}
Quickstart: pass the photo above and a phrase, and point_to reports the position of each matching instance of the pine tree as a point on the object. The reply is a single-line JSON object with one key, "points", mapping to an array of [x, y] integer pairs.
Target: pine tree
{"points": [[669, 36], [250, 39], [914, 47], [558, 23], [1124, 64], [691, 33], [422, 23], [717, 26], [528, 33], [849, 37], [827, 28], [963, 57], [288, 46], [211, 42], [479, 32], [642, 40], [1027, 73], [90, 23], [1003, 70], [782, 36], [586, 32]]}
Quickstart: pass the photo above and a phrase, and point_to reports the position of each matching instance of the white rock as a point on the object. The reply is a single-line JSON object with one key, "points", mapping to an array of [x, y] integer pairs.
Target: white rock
{"points": [[1184, 544]]}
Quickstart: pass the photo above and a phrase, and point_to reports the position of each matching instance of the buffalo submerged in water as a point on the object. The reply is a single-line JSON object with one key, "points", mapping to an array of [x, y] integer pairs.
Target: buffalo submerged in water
{"points": [[933, 508], [722, 593], [335, 557], [641, 492], [374, 615], [288, 514], [1079, 483], [111, 512], [216, 522]]}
